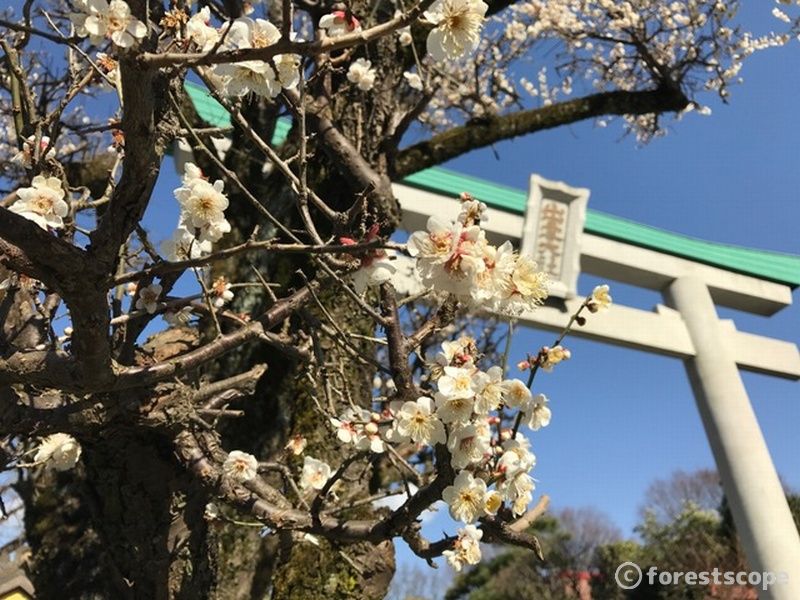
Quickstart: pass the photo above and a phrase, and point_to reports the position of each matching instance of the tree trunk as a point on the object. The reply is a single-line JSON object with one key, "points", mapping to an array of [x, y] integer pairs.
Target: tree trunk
{"points": [[134, 517]]}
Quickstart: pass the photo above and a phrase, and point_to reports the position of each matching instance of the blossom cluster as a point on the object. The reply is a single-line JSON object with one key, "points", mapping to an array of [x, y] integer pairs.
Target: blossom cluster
{"points": [[600, 44], [100, 19], [264, 78], [457, 258], [464, 413], [43, 202], [202, 216]]}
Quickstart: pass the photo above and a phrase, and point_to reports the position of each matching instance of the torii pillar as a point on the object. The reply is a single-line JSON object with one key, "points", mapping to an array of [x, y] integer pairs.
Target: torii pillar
{"points": [[752, 488]]}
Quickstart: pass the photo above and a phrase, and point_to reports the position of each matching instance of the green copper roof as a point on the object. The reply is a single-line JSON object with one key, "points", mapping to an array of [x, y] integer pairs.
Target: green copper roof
{"points": [[772, 266]]}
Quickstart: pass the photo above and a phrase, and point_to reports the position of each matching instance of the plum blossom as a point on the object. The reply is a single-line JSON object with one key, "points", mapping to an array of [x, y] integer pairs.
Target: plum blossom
{"points": [[257, 76], [515, 393], [600, 298], [315, 473], [183, 245], [526, 288], [60, 451], [550, 357], [200, 31], [296, 445], [416, 420], [43, 202], [489, 390], [148, 298], [538, 412], [362, 74], [360, 428], [374, 271], [466, 498], [458, 353], [339, 23], [466, 549], [221, 292], [202, 206], [448, 256], [457, 382], [516, 457], [454, 409], [455, 399], [414, 80], [375, 266], [404, 36], [100, 19], [518, 490], [494, 500], [456, 258], [240, 466], [468, 444], [458, 27]]}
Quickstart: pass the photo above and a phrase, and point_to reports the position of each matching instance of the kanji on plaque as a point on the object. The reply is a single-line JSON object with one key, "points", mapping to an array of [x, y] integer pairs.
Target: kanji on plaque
{"points": [[554, 220]]}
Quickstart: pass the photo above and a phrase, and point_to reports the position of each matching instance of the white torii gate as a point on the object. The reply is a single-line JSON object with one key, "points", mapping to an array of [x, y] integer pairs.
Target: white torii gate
{"points": [[688, 327]]}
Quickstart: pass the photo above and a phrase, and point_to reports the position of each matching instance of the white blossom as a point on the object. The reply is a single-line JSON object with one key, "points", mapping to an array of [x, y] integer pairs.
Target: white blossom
{"points": [[458, 27], [550, 357], [494, 500], [362, 74], [376, 268], [200, 31], [538, 412], [203, 208], [414, 80], [404, 36], [468, 444], [183, 245], [43, 202], [515, 393], [221, 292], [100, 19], [517, 456], [466, 549], [59, 450], [489, 390], [600, 298], [458, 381], [416, 420], [240, 466], [148, 298], [296, 445], [466, 498], [315, 473], [257, 76]]}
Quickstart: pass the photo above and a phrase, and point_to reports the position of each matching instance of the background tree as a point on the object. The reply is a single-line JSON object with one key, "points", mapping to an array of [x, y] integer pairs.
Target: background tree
{"points": [[677, 534], [206, 459]]}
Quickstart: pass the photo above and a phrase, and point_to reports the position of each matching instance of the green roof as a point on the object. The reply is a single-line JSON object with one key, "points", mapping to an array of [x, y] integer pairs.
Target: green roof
{"points": [[771, 266]]}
